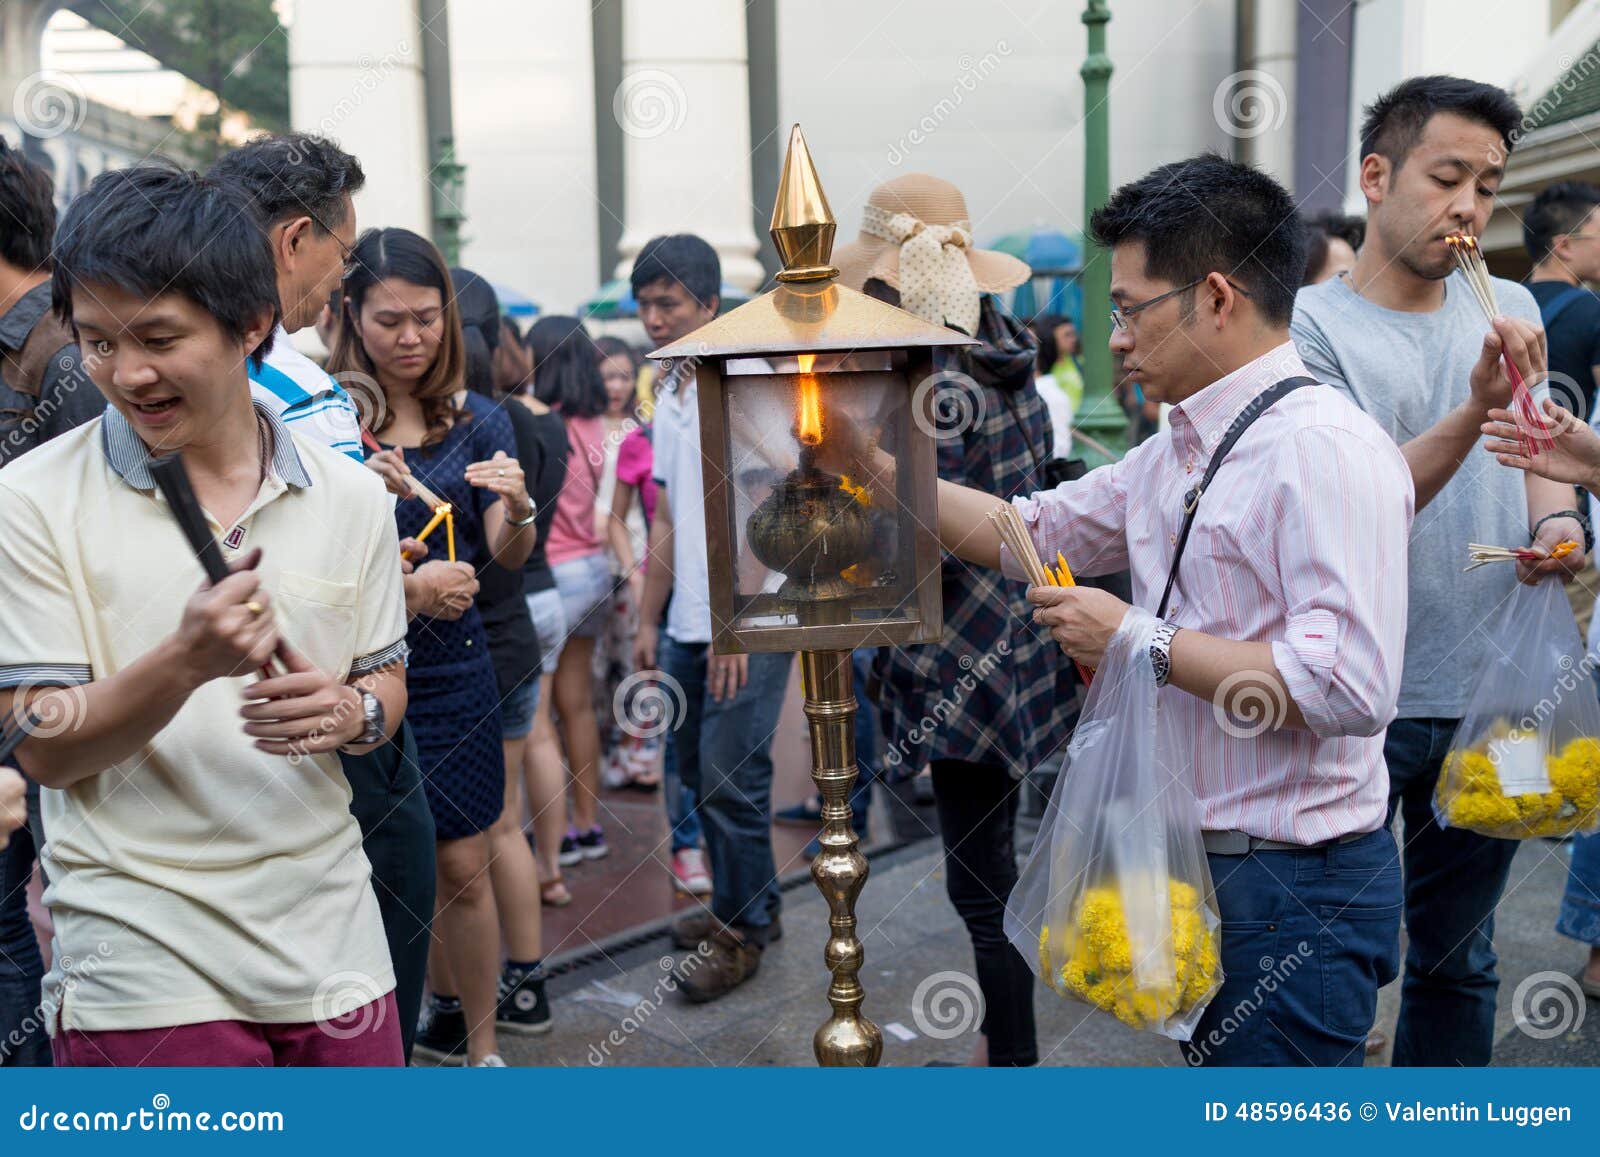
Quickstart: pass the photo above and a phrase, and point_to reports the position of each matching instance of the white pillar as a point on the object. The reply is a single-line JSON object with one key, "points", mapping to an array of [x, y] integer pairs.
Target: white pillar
{"points": [[522, 80], [1268, 109], [684, 105], [355, 76], [48, 104]]}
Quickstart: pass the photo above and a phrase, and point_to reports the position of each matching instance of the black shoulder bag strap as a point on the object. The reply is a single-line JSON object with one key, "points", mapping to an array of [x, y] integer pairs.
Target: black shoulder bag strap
{"points": [[1191, 501]]}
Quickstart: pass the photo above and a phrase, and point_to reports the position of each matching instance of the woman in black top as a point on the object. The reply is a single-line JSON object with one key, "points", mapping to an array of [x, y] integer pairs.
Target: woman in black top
{"points": [[540, 755]]}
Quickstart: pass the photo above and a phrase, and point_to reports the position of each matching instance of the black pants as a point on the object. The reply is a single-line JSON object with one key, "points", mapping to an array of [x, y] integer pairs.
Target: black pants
{"points": [[24, 1041], [397, 834], [977, 806]]}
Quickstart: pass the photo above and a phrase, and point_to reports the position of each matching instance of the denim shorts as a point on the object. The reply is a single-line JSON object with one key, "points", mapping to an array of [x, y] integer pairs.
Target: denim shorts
{"points": [[585, 585], [549, 616], [516, 709]]}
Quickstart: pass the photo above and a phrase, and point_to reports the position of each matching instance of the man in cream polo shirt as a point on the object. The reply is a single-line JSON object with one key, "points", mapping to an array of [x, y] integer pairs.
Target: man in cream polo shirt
{"points": [[199, 842]]}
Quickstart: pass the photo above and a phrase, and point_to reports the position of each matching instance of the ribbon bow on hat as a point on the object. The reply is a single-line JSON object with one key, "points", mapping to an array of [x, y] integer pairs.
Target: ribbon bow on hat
{"points": [[936, 281]]}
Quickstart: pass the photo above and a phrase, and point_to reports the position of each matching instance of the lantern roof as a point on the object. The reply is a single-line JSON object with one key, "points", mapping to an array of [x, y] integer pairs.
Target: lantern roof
{"points": [[808, 311]]}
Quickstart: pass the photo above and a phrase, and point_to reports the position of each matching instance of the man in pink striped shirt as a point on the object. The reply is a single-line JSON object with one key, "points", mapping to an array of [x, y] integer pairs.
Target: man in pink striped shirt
{"points": [[1284, 636]]}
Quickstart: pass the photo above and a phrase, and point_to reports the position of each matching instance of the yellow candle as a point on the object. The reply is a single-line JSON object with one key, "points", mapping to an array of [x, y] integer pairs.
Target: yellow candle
{"points": [[1065, 575], [438, 517], [450, 534]]}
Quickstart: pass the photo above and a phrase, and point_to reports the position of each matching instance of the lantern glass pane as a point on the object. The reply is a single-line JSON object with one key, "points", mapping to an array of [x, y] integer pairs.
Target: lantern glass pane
{"points": [[810, 546]]}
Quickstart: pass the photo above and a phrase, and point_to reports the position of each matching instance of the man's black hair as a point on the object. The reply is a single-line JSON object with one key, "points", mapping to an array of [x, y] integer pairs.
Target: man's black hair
{"points": [[1392, 125], [1206, 215], [680, 257], [27, 211], [1347, 227], [293, 175], [154, 229], [1557, 210]]}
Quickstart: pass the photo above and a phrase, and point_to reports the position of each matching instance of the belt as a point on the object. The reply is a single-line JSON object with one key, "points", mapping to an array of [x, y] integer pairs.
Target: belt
{"points": [[1236, 843]]}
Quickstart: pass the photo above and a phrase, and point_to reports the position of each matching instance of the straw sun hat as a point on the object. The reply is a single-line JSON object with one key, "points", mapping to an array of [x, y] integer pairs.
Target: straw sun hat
{"points": [[916, 237]]}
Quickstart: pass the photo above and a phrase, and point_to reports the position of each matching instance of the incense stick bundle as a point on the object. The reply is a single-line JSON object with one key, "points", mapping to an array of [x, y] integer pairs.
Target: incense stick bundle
{"points": [[418, 490], [1014, 533], [1482, 554], [1532, 430]]}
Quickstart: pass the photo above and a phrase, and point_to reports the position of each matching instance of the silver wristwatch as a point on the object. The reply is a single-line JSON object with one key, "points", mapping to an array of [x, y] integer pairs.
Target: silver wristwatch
{"points": [[533, 512], [372, 712], [1161, 652]]}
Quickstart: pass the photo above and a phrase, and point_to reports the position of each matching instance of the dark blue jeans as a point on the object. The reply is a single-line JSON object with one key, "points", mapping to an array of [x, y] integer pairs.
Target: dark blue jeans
{"points": [[722, 753], [1308, 938], [24, 1041], [1453, 882], [1580, 906], [397, 834]]}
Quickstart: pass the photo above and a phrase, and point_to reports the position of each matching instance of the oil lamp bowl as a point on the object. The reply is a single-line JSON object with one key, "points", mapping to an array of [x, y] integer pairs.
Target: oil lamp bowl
{"points": [[810, 531]]}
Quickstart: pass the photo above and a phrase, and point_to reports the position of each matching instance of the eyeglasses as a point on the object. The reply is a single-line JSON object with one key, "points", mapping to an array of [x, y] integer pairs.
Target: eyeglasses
{"points": [[1119, 317]]}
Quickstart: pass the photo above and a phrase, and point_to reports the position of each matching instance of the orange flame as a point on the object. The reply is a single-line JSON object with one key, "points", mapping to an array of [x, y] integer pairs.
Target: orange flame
{"points": [[809, 417]]}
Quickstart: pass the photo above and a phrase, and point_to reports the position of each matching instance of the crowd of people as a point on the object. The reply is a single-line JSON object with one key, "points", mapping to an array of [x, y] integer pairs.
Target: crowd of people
{"points": [[312, 813]]}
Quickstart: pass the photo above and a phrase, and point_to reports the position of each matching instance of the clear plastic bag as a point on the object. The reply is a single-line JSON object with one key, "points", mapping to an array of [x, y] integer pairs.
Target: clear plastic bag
{"points": [[1114, 906], [1525, 760]]}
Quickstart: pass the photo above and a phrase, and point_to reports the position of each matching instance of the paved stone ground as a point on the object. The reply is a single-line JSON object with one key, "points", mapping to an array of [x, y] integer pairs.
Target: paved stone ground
{"points": [[620, 1010]]}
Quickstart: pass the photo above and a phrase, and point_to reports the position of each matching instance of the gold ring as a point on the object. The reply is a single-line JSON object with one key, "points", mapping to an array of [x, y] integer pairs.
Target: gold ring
{"points": [[255, 608]]}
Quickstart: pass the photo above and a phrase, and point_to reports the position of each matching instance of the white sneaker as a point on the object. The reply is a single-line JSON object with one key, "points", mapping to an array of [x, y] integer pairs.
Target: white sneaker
{"points": [[689, 872], [492, 1061]]}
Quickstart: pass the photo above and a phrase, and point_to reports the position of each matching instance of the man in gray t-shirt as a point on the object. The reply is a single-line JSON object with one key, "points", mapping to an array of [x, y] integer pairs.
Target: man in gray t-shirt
{"points": [[1371, 353], [1401, 334]]}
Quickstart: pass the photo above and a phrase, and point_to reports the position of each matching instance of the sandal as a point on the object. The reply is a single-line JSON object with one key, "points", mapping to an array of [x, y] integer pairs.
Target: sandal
{"points": [[553, 893]]}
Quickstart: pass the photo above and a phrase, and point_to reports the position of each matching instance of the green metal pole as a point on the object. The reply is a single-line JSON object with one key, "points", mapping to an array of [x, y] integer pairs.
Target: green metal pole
{"points": [[1100, 416]]}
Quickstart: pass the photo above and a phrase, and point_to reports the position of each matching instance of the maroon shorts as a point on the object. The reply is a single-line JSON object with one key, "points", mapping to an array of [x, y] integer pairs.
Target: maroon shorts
{"points": [[367, 1037]]}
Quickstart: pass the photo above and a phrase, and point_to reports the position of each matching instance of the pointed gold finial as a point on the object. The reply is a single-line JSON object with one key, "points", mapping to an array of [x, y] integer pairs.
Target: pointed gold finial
{"points": [[802, 224]]}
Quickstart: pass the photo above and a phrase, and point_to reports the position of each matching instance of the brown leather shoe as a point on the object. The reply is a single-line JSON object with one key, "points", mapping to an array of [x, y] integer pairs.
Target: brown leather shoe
{"points": [[720, 965], [694, 926]]}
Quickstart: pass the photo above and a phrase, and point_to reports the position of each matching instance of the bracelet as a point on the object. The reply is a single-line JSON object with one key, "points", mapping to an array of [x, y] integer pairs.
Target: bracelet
{"points": [[519, 523], [1588, 531]]}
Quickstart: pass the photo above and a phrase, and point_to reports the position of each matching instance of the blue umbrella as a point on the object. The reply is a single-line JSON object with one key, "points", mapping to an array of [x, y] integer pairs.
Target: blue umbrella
{"points": [[1056, 260], [516, 303]]}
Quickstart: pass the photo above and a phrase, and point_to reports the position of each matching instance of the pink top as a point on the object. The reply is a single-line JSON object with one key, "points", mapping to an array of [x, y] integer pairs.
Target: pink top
{"points": [[572, 530], [1301, 542], [635, 462]]}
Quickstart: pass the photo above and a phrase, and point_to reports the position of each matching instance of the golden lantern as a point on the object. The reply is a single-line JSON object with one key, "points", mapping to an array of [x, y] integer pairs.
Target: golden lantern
{"points": [[804, 557]]}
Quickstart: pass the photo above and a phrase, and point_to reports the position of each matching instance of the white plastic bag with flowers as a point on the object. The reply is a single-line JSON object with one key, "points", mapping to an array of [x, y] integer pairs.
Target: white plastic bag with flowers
{"points": [[1114, 907]]}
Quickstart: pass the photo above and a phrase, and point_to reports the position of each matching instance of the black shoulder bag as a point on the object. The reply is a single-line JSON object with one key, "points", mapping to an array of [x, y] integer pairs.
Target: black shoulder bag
{"points": [[1191, 501]]}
